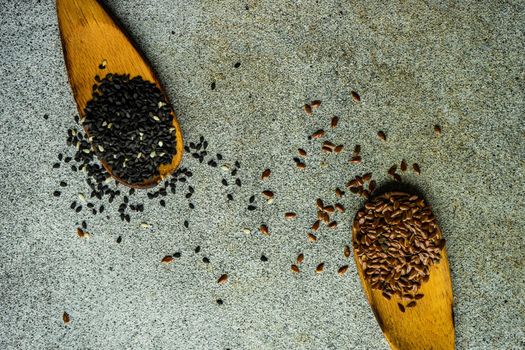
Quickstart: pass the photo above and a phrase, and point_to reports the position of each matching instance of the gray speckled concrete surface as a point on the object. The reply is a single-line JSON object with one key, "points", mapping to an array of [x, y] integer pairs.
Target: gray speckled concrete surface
{"points": [[415, 63]]}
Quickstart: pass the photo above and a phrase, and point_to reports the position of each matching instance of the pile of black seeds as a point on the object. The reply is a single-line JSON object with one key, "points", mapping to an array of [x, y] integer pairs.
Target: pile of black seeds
{"points": [[103, 189], [130, 126]]}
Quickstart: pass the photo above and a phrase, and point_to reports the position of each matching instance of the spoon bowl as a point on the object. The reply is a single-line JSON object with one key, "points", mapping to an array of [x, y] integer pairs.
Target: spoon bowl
{"points": [[94, 43], [428, 325]]}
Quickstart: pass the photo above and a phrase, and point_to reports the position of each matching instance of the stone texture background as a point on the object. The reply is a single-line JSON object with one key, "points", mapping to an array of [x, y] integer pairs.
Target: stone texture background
{"points": [[459, 64]]}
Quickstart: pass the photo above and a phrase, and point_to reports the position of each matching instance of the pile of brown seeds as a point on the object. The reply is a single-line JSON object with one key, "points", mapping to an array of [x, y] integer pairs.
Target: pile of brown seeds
{"points": [[396, 241]]}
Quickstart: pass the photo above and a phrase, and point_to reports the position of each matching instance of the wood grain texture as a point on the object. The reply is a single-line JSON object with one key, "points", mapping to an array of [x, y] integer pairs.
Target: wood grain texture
{"points": [[428, 325], [90, 36]]}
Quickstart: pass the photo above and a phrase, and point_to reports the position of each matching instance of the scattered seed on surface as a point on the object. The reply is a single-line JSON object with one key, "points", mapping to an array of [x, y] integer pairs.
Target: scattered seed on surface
{"points": [[264, 258], [355, 97], [315, 226], [56, 193], [416, 168], [246, 230], [403, 165], [401, 307], [299, 259], [338, 149], [392, 170], [342, 270], [333, 224], [266, 174], [294, 268], [312, 237], [65, 318], [315, 104], [219, 301], [319, 268], [372, 186], [222, 279], [267, 194], [119, 239], [355, 160], [340, 208], [437, 129], [252, 207], [307, 109], [81, 233], [320, 204], [339, 193], [290, 215], [418, 296], [346, 251], [205, 260], [167, 259], [264, 230], [381, 135], [334, 122], [411, 304], [176, 255], [301, 165], [301, 152], [318, 134]]}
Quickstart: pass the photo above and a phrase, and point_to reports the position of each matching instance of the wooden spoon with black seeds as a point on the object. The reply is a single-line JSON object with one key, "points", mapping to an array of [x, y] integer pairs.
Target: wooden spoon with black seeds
{"points": [[123, 107], [402, 264]]}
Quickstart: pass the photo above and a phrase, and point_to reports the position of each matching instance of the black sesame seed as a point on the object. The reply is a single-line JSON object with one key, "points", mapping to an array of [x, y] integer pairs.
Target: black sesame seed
{"points": [[230, 197], [73, 205], [59, 156], [252, 207], [90, 205], [234, 172], [56, 193], [252, 199], [67, 159], [212, 85], [219, 156], [56, 165], [101, 209], [224, 182], [186, 223], [264, 258], [237, 164], [191, 205], [197, 249], [188, 195], [84, 225], [162, 202], [177, 255], [205, 260], [131, 191], [46, 116], [79, 209], [119, 239], [63, 184], [238, 182], [126, 199]]}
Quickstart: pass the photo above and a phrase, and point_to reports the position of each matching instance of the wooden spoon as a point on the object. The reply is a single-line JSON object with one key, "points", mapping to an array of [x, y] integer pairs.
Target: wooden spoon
{"points": [[428, 325], [90, 36]]}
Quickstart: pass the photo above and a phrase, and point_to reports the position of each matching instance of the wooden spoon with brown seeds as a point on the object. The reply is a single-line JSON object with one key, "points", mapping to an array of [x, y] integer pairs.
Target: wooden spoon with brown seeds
{"points": [[91, 37], [426, 322]]}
